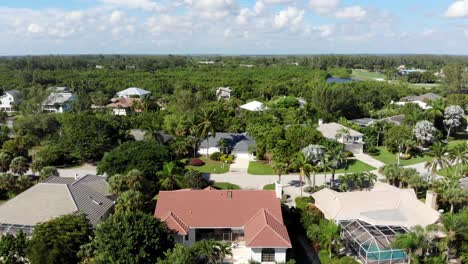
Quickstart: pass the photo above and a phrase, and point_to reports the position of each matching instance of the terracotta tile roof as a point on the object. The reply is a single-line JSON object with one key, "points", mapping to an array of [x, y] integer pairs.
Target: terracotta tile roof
{"points": [[122, 102], [264, 230], [258, 212]]}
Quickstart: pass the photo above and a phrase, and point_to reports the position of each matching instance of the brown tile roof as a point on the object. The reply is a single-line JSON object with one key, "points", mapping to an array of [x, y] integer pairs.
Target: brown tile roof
{"points": [[258, 212], [122, 102]]}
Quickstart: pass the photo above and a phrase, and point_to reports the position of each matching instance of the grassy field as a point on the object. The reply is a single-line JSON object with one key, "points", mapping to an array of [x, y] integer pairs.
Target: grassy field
{"points": [[260, 168], [355, 166], [226, 186], [210, 166], [270, 186], [366, 75], [387, 157]]}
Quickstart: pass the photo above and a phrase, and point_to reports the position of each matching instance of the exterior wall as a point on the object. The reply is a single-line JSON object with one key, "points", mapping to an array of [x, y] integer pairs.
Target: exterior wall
{"points": [[6, 103], [120, 111], [280, 255], [355, 148]]}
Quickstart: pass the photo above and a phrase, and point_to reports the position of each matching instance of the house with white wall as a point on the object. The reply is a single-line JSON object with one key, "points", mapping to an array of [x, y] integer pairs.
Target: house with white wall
{"points": [[238, 144], [9, 100], [58, 101], [250, 219], [352, 139]]}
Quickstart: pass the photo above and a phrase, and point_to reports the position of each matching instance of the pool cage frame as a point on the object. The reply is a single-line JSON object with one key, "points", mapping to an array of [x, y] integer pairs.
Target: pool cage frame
{"points": [[14, 229], [372, 243]]}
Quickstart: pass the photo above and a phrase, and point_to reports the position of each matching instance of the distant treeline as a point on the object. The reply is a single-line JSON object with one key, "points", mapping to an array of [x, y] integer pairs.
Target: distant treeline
{"points": [[154, 62]]}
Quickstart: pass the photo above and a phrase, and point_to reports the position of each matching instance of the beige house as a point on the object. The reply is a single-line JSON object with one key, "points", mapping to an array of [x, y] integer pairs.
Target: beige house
{"points": [[352, 139]]}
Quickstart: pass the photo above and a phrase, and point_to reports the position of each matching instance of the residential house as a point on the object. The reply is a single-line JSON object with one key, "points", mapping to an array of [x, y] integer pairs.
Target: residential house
{"points": [[58, 101], [250, 219], [352, 139], [237, 143], [364, 122], [254, 106], [54, 197], [371, 220], [427, 97], [160, 136], [223, 93], [124, 106], [9, 100], [132, 92]]}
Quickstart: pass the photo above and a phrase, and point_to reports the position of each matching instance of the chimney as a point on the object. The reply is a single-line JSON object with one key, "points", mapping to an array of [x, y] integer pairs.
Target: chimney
{"points": [[229, 194], [76, 176], [278, 190], [431, 199], [320, 121]]}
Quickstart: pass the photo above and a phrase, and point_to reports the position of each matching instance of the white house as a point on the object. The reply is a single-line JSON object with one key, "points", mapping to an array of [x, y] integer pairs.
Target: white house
{"points": [[223, 93], [58, 101], [250, 219], [237, 143], [132, 92], [352, 139], [9, 100], [254, 106]]}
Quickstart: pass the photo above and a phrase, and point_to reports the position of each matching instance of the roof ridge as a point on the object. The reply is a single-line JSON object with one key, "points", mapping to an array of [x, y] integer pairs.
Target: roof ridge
{"points": [[251, 218], [72, 197], [177, 219]]}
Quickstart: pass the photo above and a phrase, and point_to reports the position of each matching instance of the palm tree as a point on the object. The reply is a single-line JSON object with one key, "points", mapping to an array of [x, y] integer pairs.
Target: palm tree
{"points": [[452, 226], [314, 169], [326, 233], [380, 128], [405, 175], [169, 177], [280, 168], [302, 164], [224, 249], [207, 126], [325, 165], [459, 156], [337, 158], [130, 201], [439, 160], [454, 195], [207, 250], [343, 134], [412, 242], [368, 179], [391, 173], [416, 181]]}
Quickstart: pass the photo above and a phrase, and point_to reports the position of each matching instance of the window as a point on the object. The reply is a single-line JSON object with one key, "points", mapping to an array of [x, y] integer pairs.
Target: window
{"points": [[268, 255]]}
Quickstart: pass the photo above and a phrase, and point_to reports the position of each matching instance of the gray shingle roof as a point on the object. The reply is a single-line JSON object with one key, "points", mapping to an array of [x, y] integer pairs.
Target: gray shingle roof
{"points": [[237, 142]]}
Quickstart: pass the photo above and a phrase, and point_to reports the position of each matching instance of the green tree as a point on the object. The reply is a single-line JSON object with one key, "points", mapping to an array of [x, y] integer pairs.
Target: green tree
{"points": [[145, 156], [458, 157], [130, 201], [170, 177], [302, 164], [396, 136], [414, 242], [391, 172], [207, 126], [5, 160], [439, 159], [180, 254], [326, 234], [134, 180], [48, 171], [59, 240], [130, 238], [13, 248], [19, 165]]}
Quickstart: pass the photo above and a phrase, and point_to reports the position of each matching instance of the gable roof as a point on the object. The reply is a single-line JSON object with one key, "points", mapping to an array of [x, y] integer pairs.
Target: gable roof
{"points": [[258, 212], [59, 98], [329, 130], [237, 142], [57, 196], [383, 205], [254, 106], [132, 91], [423, 97], [14, 93], [123, 102]]}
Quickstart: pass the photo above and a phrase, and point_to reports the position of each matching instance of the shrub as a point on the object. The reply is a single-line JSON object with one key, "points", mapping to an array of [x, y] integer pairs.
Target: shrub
{"points": [[373, 150], [215, 156], [197, 162], [348, 154], [310, 189], [303, 202], [405, 156], [227, 158]]}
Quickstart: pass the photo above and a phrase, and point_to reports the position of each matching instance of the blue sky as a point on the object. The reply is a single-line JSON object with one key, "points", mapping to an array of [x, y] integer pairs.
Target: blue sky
{"points": [[233, 26]]}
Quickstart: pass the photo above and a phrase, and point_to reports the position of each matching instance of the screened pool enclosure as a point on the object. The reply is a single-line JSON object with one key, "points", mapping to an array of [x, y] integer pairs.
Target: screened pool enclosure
{"points": [[372, 243]]}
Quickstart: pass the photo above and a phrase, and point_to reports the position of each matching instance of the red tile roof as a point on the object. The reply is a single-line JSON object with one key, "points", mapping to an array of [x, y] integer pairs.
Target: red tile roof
{"points": [[258, 212], [123, 102]]}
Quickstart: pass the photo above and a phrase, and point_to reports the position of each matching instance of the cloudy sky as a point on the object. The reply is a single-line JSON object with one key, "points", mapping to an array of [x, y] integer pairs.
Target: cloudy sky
{"points": [[233, 26]]}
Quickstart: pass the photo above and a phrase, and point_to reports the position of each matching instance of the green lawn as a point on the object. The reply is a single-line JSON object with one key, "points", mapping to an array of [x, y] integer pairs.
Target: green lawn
{"points": [[365, 74], [270, 186], [210, 166], [260, 168], [226, 186], [356, 166], [387, 157]]}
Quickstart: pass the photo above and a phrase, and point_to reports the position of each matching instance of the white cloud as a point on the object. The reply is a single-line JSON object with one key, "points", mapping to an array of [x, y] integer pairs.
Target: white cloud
{"points": [[259, 7], [116, 17], [324, 30], [353, 12], [275, 2], [213, 9], [35, 28], [459, 9], [146, 5], [324, 6], [291, 16], [243, 16]]}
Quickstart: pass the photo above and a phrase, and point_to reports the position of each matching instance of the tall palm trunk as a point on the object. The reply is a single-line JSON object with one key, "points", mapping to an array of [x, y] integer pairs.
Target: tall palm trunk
{"points": [[300, 183], [313, 184]]}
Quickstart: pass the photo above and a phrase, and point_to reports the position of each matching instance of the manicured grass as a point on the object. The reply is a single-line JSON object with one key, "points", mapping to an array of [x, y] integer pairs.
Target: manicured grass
{"points": [[260, 168], [387, 157], [356, 166], [210, 166], [226, 186], [269, 186], [365, 74]]}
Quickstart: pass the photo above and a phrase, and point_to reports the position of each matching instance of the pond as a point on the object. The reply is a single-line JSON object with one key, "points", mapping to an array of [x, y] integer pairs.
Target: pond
{"points": [[340, 80]]}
